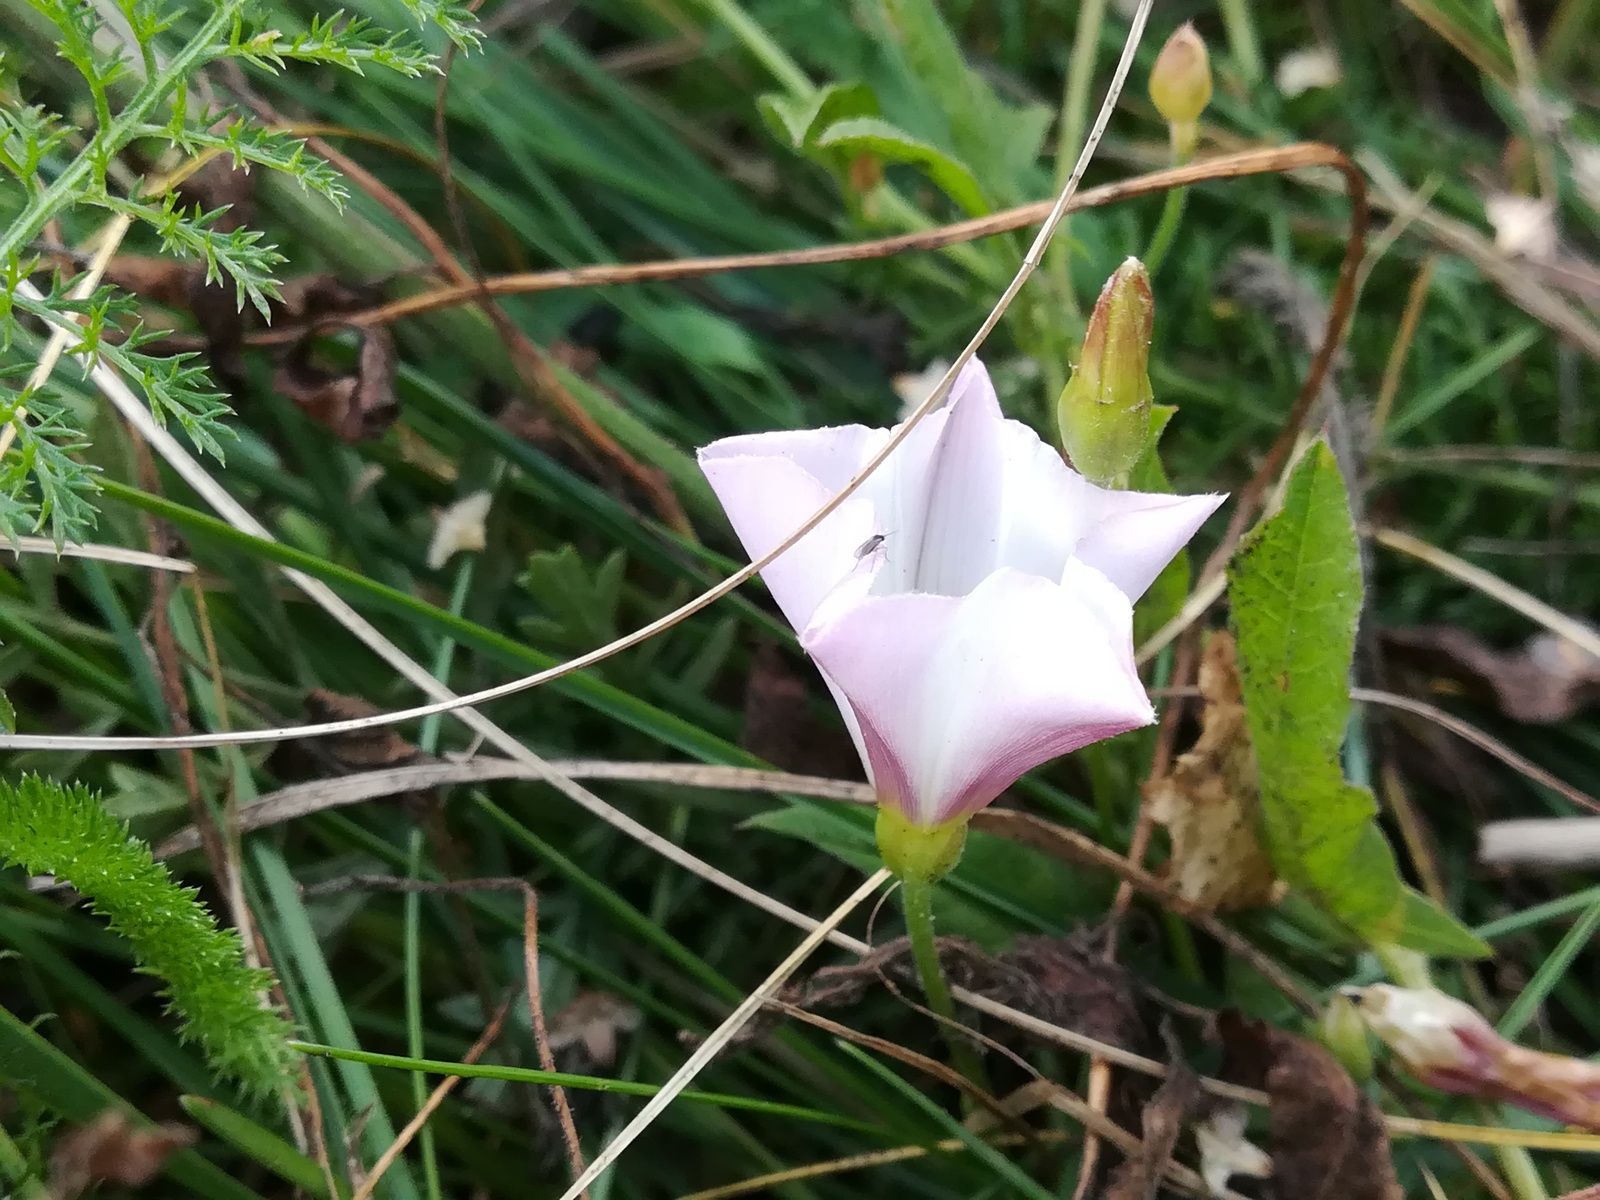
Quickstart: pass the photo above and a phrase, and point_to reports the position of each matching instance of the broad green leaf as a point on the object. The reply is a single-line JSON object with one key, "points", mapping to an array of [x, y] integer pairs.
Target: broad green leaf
{"points": [[8, 714], [1001, 144], [1426, 929], [799, 121], [1295, 589], [873, 135]]}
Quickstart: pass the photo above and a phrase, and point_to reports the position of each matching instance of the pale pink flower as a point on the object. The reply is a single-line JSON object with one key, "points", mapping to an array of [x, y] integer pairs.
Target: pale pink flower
{"points": [[970, 605]]}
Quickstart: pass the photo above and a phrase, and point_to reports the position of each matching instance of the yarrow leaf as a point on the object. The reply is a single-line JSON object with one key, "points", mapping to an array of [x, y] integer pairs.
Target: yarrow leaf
{"points": [[49, 828]]}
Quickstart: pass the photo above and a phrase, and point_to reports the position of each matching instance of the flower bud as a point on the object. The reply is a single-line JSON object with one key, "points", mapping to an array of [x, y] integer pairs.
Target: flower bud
{"points": [[919, 853], [1104, 411], [1345, 1033], [1180, 86]]}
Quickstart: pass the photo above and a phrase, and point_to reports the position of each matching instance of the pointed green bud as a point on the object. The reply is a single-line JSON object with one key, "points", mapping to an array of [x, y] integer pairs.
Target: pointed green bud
{"points": [[1104, 411], [1180, 86], [919, 853], [1345, 1033]]}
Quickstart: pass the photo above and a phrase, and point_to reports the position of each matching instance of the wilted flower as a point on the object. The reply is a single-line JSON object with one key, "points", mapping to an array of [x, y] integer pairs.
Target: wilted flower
{"points": [[1104, 411], [1447, 1044], [970, 605]]}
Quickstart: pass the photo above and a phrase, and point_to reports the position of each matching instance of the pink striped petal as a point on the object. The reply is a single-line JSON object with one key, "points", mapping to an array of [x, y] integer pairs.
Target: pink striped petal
{"points": [[956, 697]]}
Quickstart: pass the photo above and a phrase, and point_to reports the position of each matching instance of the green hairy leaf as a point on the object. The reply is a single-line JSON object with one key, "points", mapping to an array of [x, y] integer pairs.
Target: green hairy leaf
{"points": [[48, 828], [1295, 588]]}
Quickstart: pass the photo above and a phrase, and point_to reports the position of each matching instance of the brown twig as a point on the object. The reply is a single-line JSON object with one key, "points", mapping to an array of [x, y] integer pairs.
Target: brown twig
{"points": [[1401, 349], [531, 363], [435, 1098], [1231, 166], [530, 967]]}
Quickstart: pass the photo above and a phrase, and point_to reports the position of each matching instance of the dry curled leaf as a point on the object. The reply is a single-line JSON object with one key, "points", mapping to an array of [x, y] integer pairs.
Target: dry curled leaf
{"points": [[593, 1020], [356, 405], [1328, 1140], [1210, 801], [1546, 681], [112, 1149], [1163, 1119], [1447, 1044], [1064, 981], [461, 527]]}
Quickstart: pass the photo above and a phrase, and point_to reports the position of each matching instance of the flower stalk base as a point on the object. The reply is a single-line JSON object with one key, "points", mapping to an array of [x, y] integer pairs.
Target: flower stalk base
{"points": [[918, 899]]}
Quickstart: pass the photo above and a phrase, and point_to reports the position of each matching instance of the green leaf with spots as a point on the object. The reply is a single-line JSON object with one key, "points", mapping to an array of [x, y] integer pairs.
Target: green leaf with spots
{"points": [[1295, 588]]}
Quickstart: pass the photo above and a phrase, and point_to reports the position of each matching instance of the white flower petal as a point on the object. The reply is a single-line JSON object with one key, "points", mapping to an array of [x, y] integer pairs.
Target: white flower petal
{"points": [[1135, 534], [958, 696]]}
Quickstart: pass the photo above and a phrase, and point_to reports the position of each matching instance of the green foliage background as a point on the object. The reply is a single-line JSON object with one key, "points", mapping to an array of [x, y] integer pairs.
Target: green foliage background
{"points": [[624, 130]]}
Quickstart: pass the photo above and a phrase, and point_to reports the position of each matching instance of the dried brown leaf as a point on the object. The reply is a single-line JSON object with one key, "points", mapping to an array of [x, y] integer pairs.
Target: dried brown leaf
{"points": [[1064, 981], [362, 749], [1210, 802], [1163, 1120], [1328, 1140], [593, 1020], [1547, 680], [112, 1149], [356, 405]]}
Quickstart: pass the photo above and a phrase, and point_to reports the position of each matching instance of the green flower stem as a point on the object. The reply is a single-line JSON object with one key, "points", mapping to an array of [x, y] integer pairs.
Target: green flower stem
{"points": [[1171, 212], [1166, 229], [918, 900]]}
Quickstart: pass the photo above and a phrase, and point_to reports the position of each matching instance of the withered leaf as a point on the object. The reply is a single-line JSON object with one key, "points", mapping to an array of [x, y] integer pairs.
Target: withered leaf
{"points": [[1548, 680], [361, 749], [1328, 1140], [593, 1020], [112, 1149], [1062, 980], [1163, 1120], [356, 405], [1209, 801]]}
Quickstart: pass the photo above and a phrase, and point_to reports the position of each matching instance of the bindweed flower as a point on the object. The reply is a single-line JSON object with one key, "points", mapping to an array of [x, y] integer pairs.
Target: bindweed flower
{"points": [[1180, 86], [1448, 1045], [1103, 414], [970, 606]]}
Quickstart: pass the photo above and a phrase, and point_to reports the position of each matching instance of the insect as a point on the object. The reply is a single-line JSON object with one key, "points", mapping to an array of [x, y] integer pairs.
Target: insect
{"points": [[868, 546]]}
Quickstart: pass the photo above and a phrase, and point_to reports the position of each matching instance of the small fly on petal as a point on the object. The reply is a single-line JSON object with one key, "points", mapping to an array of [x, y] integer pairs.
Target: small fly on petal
{"points": [[868, 546]]}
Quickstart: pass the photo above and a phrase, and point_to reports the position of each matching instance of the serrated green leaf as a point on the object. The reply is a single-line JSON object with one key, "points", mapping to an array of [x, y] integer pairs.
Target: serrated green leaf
{"points": [[873, 135], [1295, 589]]}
